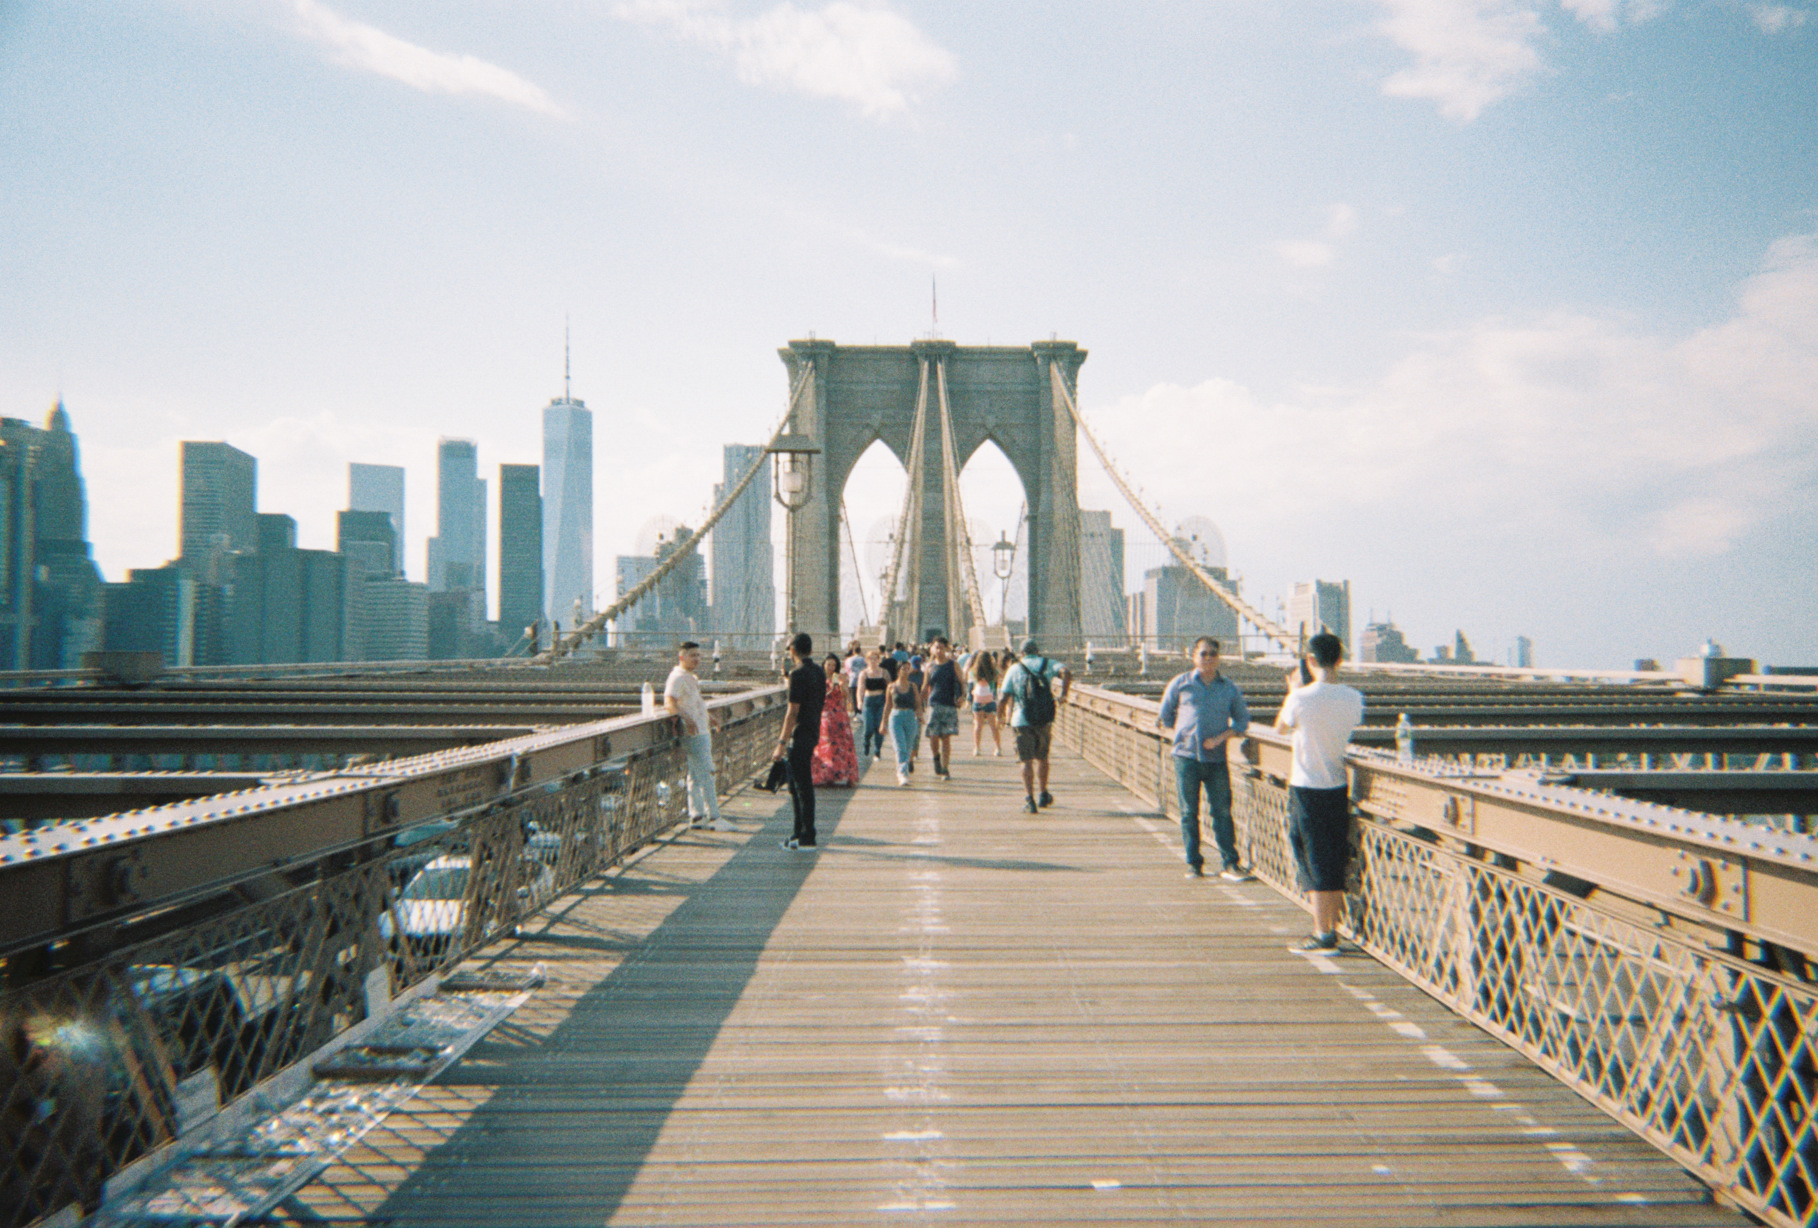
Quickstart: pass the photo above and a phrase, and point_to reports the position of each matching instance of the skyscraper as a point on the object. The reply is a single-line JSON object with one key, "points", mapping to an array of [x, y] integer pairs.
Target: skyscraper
{"points": [[1321, 605], [380, 488], [1101, 578], [457, 553], [567, 508], [1177, 608], [220, 500], [520, 549], [50, 590], [744, 583]]}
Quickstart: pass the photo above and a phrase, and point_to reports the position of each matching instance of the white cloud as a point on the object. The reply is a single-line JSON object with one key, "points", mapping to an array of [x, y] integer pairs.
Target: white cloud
{"points": [[1776, 18], [1314, 253], [861, 53], [1472, 53], [1468, 53], [359, 45], [1305, 253], [1572, 430]]}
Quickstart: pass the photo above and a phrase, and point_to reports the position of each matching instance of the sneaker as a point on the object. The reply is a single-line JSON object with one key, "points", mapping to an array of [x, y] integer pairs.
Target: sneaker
{"points": [[1029, 806], [802, 846], [790, 844], [998, 753], [1195, 872], [938, 769], [901, 779], [1046, 799], [1317, 944], [721, 825], [1236, 874]]}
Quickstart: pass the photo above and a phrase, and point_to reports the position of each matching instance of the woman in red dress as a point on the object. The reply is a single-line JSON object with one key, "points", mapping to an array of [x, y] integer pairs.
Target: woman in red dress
{"points": [[835, 759]]}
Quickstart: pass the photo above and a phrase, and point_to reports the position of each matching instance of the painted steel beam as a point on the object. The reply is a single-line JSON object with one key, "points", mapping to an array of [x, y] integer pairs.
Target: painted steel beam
{"points": [[57, 878], [247, 739], [1719, 872]]}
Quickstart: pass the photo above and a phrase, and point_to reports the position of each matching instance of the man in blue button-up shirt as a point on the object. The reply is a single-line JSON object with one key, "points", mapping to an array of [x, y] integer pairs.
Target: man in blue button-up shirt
{"points": [[1204, 710]]}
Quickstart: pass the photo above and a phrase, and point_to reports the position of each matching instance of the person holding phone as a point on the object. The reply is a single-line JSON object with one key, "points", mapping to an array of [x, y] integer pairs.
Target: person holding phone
{"points": [[1320, 715]]}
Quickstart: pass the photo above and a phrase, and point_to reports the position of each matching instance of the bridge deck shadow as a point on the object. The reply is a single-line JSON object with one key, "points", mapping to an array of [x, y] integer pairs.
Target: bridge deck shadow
{"points": [[960, 1012]]}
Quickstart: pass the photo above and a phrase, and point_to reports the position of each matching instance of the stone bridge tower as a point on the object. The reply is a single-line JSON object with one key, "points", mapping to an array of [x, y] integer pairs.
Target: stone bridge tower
{"points": [[857, 394]]}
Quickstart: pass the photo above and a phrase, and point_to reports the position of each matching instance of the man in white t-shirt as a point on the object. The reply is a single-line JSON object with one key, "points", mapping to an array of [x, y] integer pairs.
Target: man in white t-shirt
{"points": [[1320, 713], [682, 698]]}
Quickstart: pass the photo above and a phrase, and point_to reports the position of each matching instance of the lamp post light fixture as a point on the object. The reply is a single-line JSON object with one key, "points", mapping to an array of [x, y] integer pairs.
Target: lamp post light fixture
{"points": [[792, 455], [1003, 558]]}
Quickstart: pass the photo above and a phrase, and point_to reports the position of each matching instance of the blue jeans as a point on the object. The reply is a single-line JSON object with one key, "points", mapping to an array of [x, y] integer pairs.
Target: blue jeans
{"points": [[874, 728], [703, 797], [1214, 776], [906, 732]]}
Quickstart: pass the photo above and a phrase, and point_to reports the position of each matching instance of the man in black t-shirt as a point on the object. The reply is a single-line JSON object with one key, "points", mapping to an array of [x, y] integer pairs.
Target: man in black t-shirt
{"points": [[801, 734], [942, 692]]}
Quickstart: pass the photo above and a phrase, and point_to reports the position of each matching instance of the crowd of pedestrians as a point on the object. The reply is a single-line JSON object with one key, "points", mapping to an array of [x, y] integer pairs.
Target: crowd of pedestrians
{"points": [[910, 696]]}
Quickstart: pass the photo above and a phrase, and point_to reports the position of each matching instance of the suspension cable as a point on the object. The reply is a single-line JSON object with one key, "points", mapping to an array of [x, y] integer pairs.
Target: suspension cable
{"points": [[912, 504], [564, 645], [1244, 609], [956, 509], [858, 576]]}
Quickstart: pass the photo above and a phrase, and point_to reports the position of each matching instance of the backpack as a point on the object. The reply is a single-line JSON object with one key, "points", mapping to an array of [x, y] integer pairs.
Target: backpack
{"points": [[1037, 698]]}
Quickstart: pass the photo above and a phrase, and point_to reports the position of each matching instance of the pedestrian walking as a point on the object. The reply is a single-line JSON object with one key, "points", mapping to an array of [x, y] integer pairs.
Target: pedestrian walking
{"points": [[835, 761], [872, 681], [1320, 713], [1203, 710], [1029, 688], [801, 733], [982, 676], [682, 699], [903, 707], [942, 693]]}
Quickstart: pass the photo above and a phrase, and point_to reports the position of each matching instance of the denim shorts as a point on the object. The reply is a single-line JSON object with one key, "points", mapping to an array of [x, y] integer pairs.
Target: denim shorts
{"points": [[985, 707], [943, 721]]}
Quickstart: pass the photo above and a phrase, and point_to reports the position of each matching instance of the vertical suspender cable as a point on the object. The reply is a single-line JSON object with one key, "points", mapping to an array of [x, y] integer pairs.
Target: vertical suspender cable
{"points": [[1249, 613], [580, 635], [959, 532]]}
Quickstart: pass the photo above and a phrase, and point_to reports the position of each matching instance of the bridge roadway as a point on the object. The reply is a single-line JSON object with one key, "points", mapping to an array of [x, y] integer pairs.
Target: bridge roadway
{"points": [[957, 1013]]}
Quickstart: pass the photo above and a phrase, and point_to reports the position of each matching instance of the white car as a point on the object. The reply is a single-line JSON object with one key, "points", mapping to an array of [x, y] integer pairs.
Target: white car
{"points": [[432, 908]]}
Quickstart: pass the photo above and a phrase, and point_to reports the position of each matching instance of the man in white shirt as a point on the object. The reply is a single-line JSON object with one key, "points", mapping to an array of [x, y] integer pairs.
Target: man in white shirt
{"points": [[1320, 713], [682, 698]]}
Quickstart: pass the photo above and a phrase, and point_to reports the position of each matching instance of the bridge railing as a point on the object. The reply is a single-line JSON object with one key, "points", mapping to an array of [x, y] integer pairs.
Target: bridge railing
{"points": [[158, 965], [1657, 961]]}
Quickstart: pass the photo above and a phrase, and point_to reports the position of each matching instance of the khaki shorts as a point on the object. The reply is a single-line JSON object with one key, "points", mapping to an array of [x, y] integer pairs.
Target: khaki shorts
{"points": [[1032, 741]]}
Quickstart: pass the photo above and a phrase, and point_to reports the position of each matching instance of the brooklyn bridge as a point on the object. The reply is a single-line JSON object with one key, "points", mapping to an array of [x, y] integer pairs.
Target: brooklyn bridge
{"points": [[1580, 926]]}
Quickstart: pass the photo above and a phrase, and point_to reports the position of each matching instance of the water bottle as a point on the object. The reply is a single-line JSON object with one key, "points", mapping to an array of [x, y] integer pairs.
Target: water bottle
{"points": [[1404, 739], [648, 695]]}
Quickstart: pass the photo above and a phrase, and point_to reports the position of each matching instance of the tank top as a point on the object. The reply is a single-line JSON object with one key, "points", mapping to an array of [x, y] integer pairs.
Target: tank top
{"points": [[983, 692], [876, 684]]}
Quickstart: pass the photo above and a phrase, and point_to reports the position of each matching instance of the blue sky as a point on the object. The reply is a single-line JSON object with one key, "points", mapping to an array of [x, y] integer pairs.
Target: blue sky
{"points": [[1505, 310]]}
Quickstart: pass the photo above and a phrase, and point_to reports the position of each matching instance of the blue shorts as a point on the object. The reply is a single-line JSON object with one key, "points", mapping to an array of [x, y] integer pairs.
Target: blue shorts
{"points": [[943, 721]]}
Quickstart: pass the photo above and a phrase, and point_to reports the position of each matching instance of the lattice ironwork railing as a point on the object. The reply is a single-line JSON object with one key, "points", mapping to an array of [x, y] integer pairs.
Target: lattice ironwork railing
{"points": [[99, 1064], [1710, 1057]]}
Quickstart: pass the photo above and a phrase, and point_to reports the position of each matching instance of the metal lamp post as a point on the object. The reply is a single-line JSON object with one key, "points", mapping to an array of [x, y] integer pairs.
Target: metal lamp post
{"points": [[1003, 558], [793, 457]]}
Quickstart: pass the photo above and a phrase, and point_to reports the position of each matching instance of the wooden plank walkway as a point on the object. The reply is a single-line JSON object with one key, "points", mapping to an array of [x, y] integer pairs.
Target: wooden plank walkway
{"points": [[958, 1013]]}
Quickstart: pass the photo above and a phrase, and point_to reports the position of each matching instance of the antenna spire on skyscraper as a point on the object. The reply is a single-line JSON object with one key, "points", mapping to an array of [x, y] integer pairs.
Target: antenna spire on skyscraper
{"points": [[566, 395]]}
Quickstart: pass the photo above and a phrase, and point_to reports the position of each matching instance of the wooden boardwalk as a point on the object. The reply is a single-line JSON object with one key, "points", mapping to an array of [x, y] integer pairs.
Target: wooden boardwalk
{"points": [[958, 1013]]}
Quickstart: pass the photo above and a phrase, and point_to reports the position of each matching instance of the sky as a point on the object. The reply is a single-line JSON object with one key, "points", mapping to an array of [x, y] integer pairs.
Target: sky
{"points": [[1506, 311]]}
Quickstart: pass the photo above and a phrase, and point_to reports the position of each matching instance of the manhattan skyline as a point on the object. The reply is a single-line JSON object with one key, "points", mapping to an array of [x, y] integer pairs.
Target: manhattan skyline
{"points": [[1506, 311]]}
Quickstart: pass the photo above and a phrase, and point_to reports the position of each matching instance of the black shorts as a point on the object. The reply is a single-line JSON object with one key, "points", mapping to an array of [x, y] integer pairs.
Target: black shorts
{"points": [[1319, 828]]}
